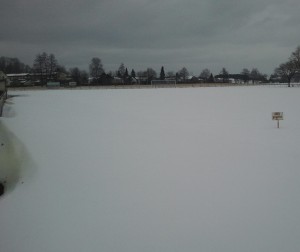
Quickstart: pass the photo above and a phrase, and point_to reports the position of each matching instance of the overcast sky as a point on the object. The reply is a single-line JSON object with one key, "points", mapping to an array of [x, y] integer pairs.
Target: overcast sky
{"points": [[212, 34]]}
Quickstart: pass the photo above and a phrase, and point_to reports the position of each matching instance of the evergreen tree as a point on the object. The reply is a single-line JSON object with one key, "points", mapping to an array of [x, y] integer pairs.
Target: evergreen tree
{"points": [[211, 78], [132, 74], [162, 75], [126, 78]]}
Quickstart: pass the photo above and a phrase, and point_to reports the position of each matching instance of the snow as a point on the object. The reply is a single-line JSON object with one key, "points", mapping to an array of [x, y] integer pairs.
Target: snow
{"points": [[195, 169]]}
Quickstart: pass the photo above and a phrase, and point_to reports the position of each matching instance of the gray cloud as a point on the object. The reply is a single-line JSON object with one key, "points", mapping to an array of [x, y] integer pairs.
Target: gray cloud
{"points": [[196, 34]]}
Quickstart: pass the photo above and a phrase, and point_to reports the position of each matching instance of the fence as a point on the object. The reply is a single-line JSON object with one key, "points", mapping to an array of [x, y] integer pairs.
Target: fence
{"points": [[3, 96]]}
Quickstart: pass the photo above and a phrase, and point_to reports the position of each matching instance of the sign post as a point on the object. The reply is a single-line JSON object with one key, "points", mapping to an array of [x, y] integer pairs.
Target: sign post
{"points": [[277, 116]]}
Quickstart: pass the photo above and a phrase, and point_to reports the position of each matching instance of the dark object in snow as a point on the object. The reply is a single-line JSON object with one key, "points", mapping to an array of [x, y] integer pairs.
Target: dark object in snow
{"points": [[1, 189]]}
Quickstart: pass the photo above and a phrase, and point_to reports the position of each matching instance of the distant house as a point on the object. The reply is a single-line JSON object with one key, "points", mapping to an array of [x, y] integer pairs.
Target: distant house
{"points": [[193, 79], [117, 80], [134, 80], [231, 78], [142, 79], [18, 79], [64, 79], [30, 79], [235, 80]]}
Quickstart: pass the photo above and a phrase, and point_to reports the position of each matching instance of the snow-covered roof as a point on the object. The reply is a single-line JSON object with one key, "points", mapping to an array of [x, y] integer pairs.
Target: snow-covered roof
{"points": [[17, 75], [191, 77]]}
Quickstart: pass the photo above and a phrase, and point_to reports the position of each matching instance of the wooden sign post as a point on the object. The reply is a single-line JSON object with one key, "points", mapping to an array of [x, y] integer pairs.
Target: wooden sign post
{"points": [[277, 116]]}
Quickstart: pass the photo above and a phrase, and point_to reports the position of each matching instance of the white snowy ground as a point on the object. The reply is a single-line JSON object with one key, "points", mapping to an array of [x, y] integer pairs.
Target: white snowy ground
{"points": [[165, 170]]}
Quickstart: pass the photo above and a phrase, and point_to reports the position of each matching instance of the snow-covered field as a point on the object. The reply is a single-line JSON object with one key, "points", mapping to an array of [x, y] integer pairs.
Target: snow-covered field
{"points": [[164, 170]]}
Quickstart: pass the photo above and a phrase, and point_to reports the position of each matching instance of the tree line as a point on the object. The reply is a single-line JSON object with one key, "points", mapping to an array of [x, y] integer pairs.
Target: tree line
{"points": [[46, 68]]}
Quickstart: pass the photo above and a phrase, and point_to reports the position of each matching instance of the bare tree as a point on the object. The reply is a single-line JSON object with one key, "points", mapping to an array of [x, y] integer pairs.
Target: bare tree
{"points": [[183, 73], [295, 58], [75, 74], [96, 68], [52, 66], [40, 66], [80, 77], [254, 75], [205, 74], [141, 74], [286, 71], [151, 74], [121, 71], [245, 75], [13, 65], [84, 77], [46, 66]]}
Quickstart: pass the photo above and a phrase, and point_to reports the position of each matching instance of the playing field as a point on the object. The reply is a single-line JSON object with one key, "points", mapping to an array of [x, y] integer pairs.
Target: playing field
{"points": [[165, 170]]}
